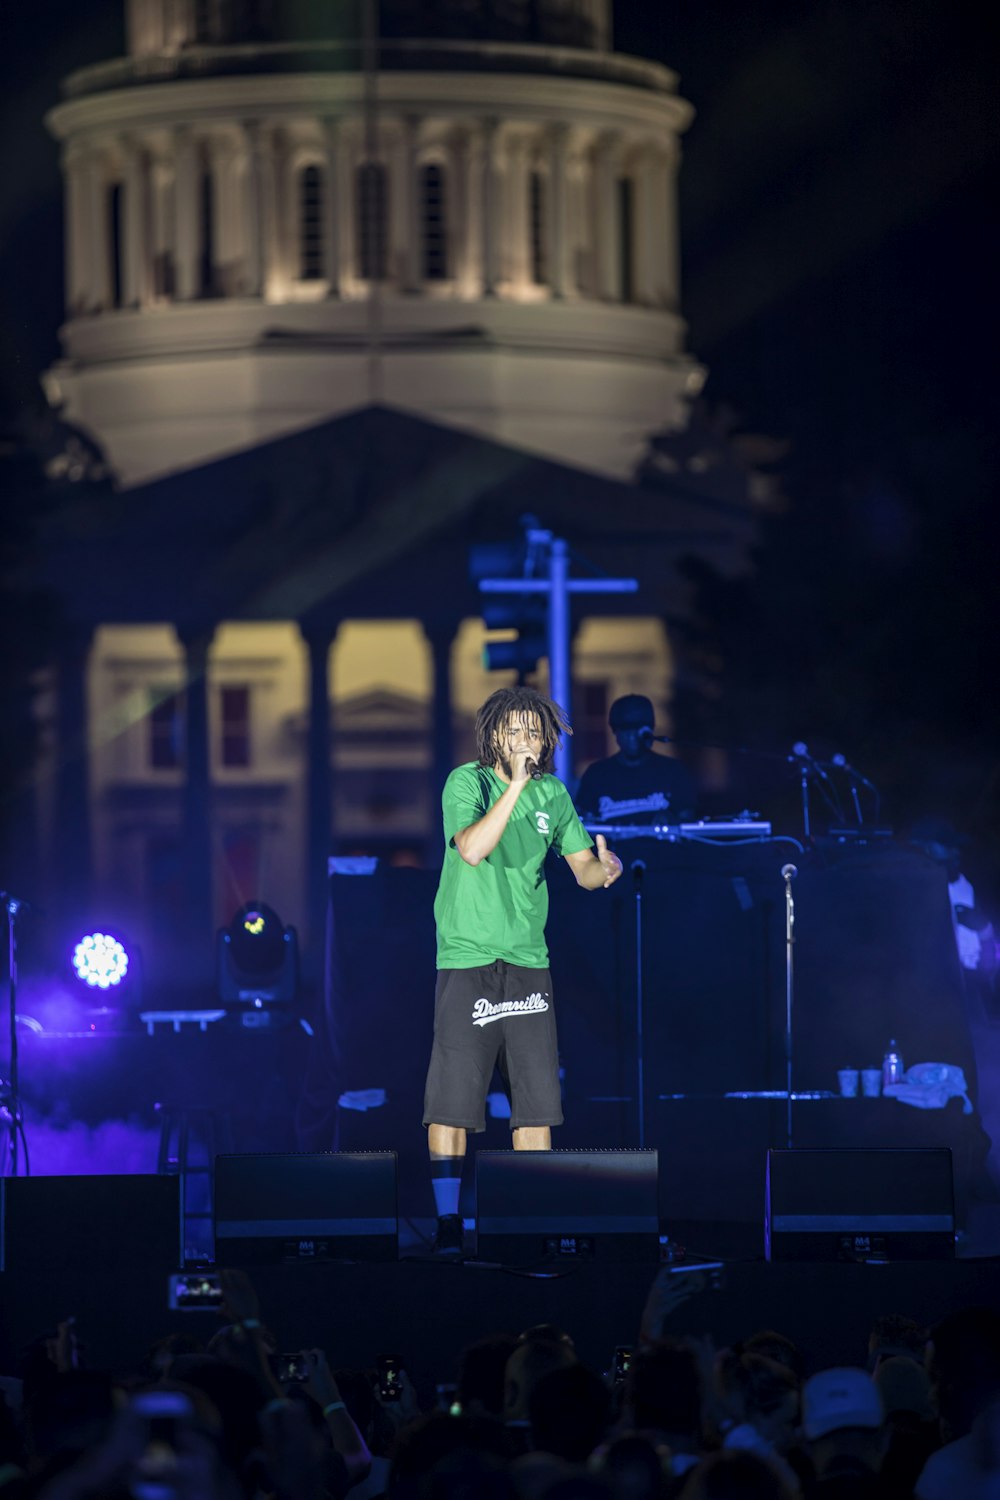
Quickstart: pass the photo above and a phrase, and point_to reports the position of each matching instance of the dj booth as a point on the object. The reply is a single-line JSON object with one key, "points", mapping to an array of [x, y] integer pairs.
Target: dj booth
{"points": [[691, 951]]}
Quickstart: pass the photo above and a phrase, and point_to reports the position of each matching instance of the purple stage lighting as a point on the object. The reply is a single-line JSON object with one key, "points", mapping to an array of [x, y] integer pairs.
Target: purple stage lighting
{"points": [[100, 961]]}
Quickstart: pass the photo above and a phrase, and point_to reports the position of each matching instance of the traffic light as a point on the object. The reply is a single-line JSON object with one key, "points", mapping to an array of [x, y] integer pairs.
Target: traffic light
{"points": [[526, 614], [521, 652]]}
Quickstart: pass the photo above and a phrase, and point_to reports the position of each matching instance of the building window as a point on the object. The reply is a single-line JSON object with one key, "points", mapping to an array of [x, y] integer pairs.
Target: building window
{"points": [[372, 201], [234, 716], [311, 224], [434, 219], [536, 212], [166, 730], [626, 198]]}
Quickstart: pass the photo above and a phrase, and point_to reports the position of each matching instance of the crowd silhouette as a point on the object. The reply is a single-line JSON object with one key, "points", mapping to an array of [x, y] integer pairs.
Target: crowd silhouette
{"points": [[519, 1417]]}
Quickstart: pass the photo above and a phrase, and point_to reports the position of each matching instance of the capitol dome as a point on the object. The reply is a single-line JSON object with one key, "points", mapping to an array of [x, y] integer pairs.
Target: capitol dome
{"points": [[465, 210]]}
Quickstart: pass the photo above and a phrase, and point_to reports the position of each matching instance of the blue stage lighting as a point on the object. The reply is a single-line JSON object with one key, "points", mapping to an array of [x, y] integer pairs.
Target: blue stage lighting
{"points": [[100, 961]]}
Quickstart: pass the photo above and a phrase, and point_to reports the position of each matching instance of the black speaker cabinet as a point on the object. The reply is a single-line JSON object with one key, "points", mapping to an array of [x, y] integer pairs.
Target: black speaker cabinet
{"points": [[864, 1205], [533, 1206], [50, 1224], [336, 1205]]}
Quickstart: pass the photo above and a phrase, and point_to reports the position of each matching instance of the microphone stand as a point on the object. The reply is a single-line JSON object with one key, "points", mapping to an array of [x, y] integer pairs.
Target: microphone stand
{"points": [[10, 1102], [788, 874], [804, 787], [638, 868]]}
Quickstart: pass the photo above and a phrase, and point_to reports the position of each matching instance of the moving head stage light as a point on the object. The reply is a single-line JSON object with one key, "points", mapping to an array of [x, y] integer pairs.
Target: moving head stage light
{"points": [[258, 964]]}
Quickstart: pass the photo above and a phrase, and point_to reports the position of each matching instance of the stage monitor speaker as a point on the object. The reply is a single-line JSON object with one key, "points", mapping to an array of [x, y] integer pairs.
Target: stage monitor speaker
{"points": [[50, 1224], [534, 1206], [859, 1205], [334, 1205]]}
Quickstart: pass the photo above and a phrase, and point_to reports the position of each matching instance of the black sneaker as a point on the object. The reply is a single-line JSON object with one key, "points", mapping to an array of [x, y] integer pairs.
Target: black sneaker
{"points": [[450, 1238]]}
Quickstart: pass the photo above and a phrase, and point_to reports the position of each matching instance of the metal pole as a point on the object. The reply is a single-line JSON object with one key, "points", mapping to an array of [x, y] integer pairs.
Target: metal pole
{"points": [[13, 906], [788, 874], [638, 870], [559, 674]]}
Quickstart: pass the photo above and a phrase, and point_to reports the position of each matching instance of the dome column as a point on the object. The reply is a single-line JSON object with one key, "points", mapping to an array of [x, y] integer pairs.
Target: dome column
{"points": [[135, 280], [186, 205], [607, 167], [669, 231], [252, 218], [462, 219], [515, 257], [225, 215], [266, 149], [489, 206], [77, 247], [558, 154], [648, 246], [332, 199], [98, 258], [405, 194]]}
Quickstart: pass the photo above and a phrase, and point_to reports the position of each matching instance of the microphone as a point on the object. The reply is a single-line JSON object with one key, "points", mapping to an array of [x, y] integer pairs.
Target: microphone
{"points": [[800, 752], [788, 872], [843, 764], [638, 868], [534, 770], [646, 735]]}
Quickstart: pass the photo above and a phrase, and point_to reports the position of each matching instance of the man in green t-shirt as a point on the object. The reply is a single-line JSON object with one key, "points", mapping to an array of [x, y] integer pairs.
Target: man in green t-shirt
{"points": [[493, 1004]]}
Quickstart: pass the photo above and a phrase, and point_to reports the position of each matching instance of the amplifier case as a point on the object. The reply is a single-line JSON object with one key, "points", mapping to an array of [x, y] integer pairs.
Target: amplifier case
{"points": [[297, 1206], [548, 1205], [870, 1204]]}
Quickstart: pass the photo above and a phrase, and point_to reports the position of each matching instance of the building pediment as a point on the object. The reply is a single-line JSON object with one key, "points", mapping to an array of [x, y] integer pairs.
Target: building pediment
{"points": [[369, 514]]}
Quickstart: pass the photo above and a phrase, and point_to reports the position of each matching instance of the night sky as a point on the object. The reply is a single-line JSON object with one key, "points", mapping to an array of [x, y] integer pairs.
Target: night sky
{"points": [[839, 264]]}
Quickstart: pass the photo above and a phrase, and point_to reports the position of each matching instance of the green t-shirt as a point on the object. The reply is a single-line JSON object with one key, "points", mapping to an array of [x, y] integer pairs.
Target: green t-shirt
{"points": [[497, 909]]}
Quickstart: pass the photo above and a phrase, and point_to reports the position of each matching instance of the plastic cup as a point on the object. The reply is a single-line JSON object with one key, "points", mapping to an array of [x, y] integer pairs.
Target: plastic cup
{"points": [[871, 1082], [848, 1080]]}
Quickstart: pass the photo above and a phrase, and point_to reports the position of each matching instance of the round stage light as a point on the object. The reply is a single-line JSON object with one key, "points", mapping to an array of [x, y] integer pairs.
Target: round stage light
{"points": [[100, 961]]}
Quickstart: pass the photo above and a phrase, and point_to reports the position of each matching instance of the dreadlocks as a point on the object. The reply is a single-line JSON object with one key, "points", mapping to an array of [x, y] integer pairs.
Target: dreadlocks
{"points": [[519, 703]]}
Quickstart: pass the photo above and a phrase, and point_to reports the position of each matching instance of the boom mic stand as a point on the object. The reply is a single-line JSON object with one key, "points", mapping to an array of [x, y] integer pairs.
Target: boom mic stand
{"points": [[11, 1118]]}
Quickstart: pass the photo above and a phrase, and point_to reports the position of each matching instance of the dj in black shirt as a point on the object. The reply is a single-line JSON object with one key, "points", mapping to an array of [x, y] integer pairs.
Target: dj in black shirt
{"points": [[637, 786]]}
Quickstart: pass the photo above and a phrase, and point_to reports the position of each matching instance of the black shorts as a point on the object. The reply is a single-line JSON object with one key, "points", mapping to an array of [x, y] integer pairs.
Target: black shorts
{"points": [[501, 1015]]}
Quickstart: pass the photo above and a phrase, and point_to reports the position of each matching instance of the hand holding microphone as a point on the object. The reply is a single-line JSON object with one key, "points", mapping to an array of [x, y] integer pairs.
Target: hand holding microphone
{"points": [[524, 766]]}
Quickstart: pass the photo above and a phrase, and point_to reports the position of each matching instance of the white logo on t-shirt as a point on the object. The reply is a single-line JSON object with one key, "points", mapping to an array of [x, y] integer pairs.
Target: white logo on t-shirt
{"points": [[483, 1011], [655, 802], [542, 820]]}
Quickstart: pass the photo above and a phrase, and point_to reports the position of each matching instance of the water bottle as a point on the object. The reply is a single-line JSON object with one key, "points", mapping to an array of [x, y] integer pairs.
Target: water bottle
{"points": [[892, 1066]]}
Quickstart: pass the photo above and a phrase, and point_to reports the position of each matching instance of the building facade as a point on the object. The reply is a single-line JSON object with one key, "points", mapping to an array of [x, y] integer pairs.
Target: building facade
{"points": [[266, 226], [464, 211]]}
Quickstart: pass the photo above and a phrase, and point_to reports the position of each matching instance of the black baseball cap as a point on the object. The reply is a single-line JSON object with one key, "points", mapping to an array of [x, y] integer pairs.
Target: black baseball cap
{"points": [[631, 712]]}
